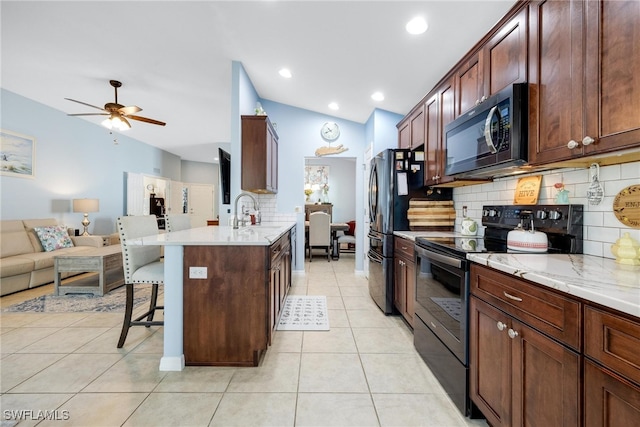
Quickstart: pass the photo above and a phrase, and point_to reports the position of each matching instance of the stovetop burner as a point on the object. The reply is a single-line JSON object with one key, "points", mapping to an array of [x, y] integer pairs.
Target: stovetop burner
{"points": [[561, 223]]}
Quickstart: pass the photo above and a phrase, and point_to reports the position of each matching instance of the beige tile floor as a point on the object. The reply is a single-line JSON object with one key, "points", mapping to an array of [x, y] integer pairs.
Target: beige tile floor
{"points": [[363, 372]]}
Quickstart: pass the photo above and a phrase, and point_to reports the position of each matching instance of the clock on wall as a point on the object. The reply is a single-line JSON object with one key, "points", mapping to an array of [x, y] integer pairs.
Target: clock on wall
{"points": [[330, 131]]}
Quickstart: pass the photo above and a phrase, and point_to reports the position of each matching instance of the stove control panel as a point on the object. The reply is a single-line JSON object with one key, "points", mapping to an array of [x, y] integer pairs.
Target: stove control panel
{"points": [[557, 219]]}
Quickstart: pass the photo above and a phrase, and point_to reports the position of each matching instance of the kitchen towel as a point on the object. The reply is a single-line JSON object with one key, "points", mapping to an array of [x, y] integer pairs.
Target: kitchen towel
{"points": [[304, 313]]}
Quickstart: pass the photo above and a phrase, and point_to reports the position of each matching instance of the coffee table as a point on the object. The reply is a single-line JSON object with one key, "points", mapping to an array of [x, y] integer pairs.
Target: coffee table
{"points": [[106, 261]]}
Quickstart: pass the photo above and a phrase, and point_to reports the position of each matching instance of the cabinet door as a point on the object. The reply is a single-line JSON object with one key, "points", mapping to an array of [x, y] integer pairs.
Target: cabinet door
{"points": [[432, 141], [545, 380], [468, 84], [612, 64], [446, 108], [417, 128], [404, 135], [399, 285], [272, 161], [410, 292], [556, 75], [490, 356], [608, 399], [505, 56]]}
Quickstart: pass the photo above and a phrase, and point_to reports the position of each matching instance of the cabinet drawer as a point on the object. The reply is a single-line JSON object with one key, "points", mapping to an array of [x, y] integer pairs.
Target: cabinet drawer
{"points": [[613, 341], [555, 315], [403, 247]]}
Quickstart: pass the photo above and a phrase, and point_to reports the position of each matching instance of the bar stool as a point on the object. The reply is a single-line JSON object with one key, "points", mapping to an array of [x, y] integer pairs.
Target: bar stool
{"points": [[142, 265]]}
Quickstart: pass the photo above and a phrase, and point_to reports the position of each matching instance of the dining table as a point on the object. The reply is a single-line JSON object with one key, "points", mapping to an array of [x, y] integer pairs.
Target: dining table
{"points": [[335, 227]]}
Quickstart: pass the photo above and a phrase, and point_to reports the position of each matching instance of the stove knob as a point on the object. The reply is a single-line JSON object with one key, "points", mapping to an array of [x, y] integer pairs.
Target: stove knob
{"points": [[492, 212], [541, 214], [555, 215]]}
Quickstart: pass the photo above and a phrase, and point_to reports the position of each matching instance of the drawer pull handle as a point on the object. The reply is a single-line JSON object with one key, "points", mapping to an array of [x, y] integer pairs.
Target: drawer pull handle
{"points": [[512, 297], [501, 326], [512, 333]]}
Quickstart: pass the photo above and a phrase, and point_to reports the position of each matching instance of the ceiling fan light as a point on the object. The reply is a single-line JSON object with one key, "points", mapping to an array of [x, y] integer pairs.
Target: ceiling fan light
{"points": [[107, 123]]}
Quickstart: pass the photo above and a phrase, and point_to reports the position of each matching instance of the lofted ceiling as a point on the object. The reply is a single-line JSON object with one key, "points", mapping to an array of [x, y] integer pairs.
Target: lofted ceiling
{"points": [[174, 57]]}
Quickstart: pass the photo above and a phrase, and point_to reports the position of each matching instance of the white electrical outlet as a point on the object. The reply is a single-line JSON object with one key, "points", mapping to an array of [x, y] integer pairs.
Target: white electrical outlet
{"points": [[197, 272]]}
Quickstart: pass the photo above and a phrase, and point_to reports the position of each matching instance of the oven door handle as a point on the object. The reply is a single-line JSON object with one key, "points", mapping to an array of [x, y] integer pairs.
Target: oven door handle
{"points": [[453, 262]]}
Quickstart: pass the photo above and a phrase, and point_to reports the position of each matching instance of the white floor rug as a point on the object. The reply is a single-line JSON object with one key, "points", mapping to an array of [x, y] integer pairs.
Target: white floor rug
{"points": [[304, 313]]}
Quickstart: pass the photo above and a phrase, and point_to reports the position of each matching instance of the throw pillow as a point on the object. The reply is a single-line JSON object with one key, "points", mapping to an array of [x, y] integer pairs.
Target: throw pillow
{"points": [[52, 238]]}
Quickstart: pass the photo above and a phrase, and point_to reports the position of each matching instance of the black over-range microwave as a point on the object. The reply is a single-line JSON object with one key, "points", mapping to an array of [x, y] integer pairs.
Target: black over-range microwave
{"points": [[490, 139]]}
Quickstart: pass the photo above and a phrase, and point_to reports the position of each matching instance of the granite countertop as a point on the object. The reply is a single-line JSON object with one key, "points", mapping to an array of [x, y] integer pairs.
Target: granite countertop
{"points": [[264, 234], [592, 278]]}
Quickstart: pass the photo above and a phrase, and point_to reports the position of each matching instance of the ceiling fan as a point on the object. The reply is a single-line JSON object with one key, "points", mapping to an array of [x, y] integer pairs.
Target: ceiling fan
{"points": [[118, 114]]}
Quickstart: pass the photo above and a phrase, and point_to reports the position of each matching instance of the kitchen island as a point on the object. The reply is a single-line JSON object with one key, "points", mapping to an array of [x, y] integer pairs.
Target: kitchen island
{"points": [[221, 294]]}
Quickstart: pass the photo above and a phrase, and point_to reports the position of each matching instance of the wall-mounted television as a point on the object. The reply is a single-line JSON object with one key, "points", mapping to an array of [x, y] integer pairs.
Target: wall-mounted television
{"points": [[225, 176]]}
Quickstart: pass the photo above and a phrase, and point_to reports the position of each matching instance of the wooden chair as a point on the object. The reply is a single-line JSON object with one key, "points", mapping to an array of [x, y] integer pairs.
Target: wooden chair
{"points": [[177, 222], [319, 233], [142, 265]]}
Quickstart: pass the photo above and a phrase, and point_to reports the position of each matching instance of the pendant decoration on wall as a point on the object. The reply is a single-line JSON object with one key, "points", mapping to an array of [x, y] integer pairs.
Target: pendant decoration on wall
{"points": [[329, 150], [595, 192], [626, 206]]}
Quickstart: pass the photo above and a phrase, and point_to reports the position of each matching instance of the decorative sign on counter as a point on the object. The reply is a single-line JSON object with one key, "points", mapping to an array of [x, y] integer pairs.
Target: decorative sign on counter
{"points": [[527, 190], [626, 206]]}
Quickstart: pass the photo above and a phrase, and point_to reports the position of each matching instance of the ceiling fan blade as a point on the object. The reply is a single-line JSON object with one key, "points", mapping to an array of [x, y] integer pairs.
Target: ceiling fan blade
{"points": [[89, 114], [132, 109], [146, 120], [84, 103]]}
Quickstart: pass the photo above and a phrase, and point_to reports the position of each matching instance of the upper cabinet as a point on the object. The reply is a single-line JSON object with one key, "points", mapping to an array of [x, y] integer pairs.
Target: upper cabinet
{"points": [[499, 62], [439, 111], [259, 155], [411, 130], [584, 91]]}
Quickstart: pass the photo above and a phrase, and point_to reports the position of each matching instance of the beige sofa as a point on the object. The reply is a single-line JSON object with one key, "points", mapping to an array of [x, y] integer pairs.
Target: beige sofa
{"points": [[23, 262]]}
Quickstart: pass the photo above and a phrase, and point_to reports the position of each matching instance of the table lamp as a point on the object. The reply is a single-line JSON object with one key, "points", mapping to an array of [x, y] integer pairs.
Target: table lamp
{"points": [[85, 206]]}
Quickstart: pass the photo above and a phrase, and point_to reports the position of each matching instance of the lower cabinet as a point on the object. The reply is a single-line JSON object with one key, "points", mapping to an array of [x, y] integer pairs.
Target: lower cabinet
{"points": [[229, 316], [520, 375], [404, 271]]}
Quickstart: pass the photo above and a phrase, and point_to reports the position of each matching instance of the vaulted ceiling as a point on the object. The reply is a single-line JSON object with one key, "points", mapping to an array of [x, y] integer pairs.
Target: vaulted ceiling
{"points": [[174, 57]]}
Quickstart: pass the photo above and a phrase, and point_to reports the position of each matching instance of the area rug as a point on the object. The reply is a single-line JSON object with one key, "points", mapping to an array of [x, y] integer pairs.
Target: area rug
{"points": [[114, 301], [451, 306], [304, 313]]}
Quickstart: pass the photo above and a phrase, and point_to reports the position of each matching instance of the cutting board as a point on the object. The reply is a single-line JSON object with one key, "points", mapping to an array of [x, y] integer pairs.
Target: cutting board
{"points": [[430, 215]]}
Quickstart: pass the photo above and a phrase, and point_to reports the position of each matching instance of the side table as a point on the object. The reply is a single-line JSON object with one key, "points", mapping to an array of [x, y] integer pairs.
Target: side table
{"points": [[106, 261]]}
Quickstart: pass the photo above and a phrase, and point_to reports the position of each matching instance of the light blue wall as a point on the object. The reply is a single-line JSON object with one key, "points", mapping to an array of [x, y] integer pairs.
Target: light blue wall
{"points": [[74, 159], [384, 131]]}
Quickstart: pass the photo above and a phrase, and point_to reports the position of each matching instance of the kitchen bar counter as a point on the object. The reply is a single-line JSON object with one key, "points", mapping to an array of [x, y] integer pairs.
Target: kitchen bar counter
{"points": [[595, 279], [174, 243]]}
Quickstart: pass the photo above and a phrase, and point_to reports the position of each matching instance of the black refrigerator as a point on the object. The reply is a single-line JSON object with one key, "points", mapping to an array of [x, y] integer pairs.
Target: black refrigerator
{"points": [[395, 177]]}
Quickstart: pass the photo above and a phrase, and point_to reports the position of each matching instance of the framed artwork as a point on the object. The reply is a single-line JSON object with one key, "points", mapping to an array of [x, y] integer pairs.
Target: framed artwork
{"points": [[17, 154], [316, 175]]}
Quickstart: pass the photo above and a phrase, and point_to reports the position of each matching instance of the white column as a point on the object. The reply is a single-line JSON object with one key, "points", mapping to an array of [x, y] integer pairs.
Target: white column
{"points": [[173, 358]]}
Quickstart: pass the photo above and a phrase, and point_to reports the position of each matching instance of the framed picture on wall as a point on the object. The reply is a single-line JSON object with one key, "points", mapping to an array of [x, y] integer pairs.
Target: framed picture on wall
{"points": [[17, 154]]}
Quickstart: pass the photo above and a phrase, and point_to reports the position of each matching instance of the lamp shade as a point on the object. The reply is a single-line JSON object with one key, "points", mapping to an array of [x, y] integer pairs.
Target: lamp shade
{"points": [[86, 205]]}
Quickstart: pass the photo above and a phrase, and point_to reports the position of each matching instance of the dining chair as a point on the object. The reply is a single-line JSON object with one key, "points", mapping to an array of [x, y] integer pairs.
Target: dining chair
{"points": [[177, 222], [349, 241], [319, 233], [142, 265]]}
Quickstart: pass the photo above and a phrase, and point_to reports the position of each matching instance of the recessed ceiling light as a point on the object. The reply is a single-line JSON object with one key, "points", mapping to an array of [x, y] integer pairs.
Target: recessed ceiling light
{"points": [[334, 106], [285, 72], [417, 25], [377, 96]]}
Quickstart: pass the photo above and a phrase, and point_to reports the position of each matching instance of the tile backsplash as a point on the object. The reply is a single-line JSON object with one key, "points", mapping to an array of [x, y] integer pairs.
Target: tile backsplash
{"points": [[601, 227]]}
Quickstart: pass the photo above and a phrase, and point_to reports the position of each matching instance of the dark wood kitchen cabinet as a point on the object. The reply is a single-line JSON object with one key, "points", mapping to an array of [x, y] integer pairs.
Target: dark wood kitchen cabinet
{"points": [[404, 278], [439, 111], [259, 155], [229, 316], [524, 352], [611, 369], [499, 62], [584, 90], [411, 129]]}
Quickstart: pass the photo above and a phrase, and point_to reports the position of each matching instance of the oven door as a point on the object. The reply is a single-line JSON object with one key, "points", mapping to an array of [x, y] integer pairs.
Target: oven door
{"points": [[442, 293]]}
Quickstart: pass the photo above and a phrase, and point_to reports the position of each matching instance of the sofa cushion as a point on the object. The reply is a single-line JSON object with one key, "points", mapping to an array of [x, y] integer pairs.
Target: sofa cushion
{"points": [[12, 266], [52, 238], [14, 239], [30, 224], [46, 259]]}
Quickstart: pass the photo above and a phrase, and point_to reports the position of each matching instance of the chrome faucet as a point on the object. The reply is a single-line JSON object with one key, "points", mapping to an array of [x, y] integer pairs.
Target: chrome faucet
{"points": [[256, 207]]}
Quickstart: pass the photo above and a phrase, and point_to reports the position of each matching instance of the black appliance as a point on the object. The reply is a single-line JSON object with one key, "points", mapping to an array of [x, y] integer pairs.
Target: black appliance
{"points": [[225, 175], [395, 177], [442, 285], [156, 207], [490, 139]]}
